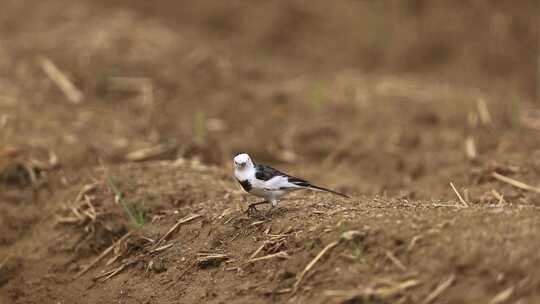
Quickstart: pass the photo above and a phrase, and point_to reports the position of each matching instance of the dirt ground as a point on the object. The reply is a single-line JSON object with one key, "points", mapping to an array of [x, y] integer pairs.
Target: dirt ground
{"points": [[122, 192]]}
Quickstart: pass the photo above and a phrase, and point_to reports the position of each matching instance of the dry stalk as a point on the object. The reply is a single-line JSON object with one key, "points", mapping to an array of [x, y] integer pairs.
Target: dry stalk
{"points": [[281, 255], [395, 260], [149, 153], [184, 220], [470, 148], [256, 223], [101, 256], [459, 195], [73, 94], [382, 293], [498, 196], [440, 289], [256, 252], [483, 111], [502, 296], [109, 274], [311, 264], [91, 213], [515, 183], [208, 259], [161, 248], [84, 190], [414, 240]]}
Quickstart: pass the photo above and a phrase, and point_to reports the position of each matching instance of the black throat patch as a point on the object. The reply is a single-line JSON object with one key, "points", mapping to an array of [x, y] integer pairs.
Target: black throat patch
{"points": [[246, 185]]}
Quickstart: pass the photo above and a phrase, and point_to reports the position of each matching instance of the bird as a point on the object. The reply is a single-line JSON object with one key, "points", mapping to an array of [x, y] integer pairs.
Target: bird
{"points": [[269, 183]]}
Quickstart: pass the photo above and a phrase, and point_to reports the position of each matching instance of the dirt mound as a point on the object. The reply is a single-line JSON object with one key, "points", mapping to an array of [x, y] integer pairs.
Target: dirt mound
{"points": [[196, 244], [119, 119]]}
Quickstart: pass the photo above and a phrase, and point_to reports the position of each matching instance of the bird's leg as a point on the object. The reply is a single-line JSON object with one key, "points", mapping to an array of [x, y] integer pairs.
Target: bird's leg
{"points": [[252, 207], [272, 206]]}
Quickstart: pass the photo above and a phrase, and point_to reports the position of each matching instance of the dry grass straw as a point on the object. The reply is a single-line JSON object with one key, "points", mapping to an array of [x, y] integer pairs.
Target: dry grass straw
{"points": [[483, 111], [396, 261], [413, 242], [498, 196], [503, 296], [256, 252], [470, 148], [439, 289], [161, 248], [515, 183], [311, 264], [109, 274], [210, 258], [369, 294], [102, 255], [81, 208], [281, 255], [73, 94], [463, 202], [181, 221], [150, 153]]}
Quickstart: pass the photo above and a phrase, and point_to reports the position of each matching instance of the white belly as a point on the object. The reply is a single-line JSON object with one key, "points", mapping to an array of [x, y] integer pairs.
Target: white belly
{"points": [[267, 193]]}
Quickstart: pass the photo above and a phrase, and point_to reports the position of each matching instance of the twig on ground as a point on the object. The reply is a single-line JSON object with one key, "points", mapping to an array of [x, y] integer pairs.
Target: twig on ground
{"points": [[256, 252], [280, 291], [395, 260], [470, 148], [149, 153], [311, 264], [91, 213], [281, 255], [164, 247], [73, 94], [102, 255], [440, 289], [483, 111], [84, 190], [502, 296], [205, 259], [109, 274], [370, 293], [414, 240], [459, 195], [498, 196], [515, 183], [175, 226]]}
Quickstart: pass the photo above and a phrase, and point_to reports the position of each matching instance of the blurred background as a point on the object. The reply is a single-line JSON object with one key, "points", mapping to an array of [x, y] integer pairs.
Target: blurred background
{"points": [[369, 97]]}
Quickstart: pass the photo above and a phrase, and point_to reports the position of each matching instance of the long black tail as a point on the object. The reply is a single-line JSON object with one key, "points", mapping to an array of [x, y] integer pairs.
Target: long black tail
{"points": [[327, 190]]}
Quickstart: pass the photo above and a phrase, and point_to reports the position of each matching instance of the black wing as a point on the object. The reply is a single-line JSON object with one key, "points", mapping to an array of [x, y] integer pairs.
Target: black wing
{"points": [[299, 181], [265, 173]]}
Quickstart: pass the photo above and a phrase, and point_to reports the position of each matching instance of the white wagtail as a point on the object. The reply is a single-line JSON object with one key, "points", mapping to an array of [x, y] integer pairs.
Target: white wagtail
{"points": [[267, 182]]}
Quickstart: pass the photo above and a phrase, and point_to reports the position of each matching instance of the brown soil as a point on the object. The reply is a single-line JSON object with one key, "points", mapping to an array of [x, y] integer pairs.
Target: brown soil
{"points": [[381, 100]]}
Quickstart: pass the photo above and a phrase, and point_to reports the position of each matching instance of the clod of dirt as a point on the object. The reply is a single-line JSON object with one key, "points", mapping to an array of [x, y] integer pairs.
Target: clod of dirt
{"points": [[17, 173], [157, 265], [427, 119], [207, 260], [9, 268]]}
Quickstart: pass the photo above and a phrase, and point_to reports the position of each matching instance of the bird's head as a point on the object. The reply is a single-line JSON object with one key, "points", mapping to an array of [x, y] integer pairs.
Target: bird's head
{"points": [[242, 161]]}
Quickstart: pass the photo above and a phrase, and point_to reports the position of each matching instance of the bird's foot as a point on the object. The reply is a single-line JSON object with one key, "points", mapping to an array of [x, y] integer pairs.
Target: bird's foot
{"points": [[253, 211], [268, 213]]}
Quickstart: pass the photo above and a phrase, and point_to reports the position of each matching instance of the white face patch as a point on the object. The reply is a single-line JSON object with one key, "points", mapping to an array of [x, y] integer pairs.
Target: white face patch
{"points": [[242, 161]]}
